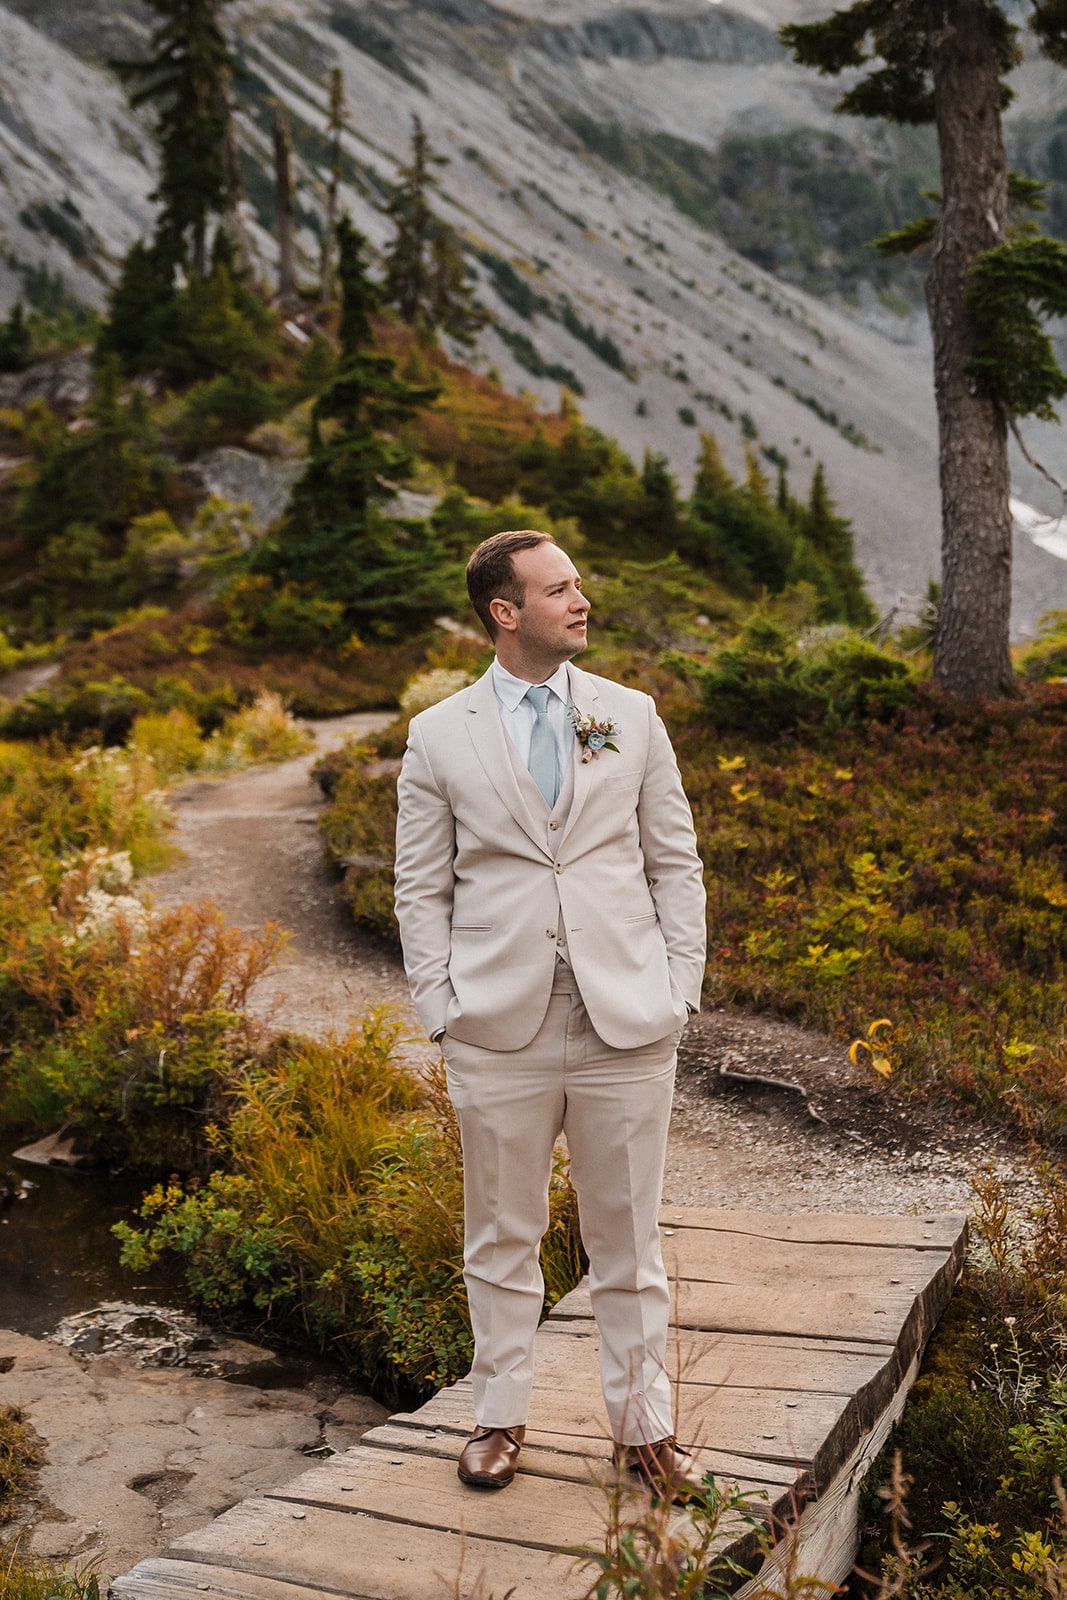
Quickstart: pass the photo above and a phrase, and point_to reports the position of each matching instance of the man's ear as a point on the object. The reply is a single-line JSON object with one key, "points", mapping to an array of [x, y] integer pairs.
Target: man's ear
{"points": [[505, 613]]}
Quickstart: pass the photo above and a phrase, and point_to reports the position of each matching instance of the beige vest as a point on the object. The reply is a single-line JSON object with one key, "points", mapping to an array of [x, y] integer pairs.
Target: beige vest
{"points": [[551, 822]]}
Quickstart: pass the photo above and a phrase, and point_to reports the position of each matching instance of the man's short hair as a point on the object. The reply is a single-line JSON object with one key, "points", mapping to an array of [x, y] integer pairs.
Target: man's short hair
{"points": [[491, 573]]}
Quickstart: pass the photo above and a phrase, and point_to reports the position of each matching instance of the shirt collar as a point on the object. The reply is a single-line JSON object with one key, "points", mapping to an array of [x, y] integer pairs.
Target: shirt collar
{"points": [[511, 690]]}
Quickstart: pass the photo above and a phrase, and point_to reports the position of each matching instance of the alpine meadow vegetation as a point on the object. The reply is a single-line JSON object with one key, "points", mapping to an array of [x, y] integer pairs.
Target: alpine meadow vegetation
{"points": [[884, 861]]}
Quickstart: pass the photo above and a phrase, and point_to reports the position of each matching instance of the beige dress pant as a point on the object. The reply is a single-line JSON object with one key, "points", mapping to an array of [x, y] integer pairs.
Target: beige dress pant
{"points": [[614, 1107]]}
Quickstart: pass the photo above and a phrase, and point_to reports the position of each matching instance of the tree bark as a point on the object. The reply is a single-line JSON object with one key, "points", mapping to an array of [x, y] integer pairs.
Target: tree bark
{"points": [[336, 131], [235, 220], [971, 656], [283, 184]]}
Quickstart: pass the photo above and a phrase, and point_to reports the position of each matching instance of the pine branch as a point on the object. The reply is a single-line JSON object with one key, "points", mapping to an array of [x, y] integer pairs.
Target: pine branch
{"points": [[903, 241], [1048, 19], [901, 93], [1039, 466]]}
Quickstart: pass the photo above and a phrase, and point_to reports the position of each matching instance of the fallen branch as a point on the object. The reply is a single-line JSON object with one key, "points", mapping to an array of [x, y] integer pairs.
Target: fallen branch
{"points": [[755, 1078]]}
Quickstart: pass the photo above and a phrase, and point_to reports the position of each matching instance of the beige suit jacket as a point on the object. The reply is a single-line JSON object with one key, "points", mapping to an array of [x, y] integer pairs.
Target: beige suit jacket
{"points": [[479, 893]]}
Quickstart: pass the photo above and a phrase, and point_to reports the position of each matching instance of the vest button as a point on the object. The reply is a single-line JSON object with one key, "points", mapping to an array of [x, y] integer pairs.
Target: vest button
{"points": [[553, 826]]}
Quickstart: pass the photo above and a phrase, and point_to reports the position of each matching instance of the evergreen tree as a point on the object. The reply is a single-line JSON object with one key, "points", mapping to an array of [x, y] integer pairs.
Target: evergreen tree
{"points": [[102, 478], [187, 79], [284, 209], [16, 341], [142, 313], [425, 274], [661, 516], [451, 306], [215, 324], [359, 296], [334, 542], [408, 272], [829, 536], [735, 531], [335, 133], [991, 277]]}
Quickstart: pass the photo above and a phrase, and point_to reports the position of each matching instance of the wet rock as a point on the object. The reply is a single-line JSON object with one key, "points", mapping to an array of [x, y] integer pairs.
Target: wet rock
{"points": [[160, 1336], [135, 1455]]}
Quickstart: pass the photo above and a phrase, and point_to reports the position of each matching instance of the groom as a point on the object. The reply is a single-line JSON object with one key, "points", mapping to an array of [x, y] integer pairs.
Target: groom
{"points": [[551, 909]]}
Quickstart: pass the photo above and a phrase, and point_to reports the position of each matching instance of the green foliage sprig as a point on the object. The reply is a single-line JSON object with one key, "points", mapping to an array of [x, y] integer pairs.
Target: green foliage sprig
{"points": [[1011, 288]]}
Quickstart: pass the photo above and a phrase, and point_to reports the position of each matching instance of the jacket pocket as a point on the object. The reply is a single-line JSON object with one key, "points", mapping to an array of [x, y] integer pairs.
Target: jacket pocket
{"points": [[473, 927]]}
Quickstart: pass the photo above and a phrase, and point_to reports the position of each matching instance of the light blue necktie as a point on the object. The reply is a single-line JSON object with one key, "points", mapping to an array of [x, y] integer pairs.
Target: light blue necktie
{"points": [[544, 753]]}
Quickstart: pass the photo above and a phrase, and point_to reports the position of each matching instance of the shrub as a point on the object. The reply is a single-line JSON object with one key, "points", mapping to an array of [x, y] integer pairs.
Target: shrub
{"points": [[19, 1455], [108, 709], [263, 731], [1047, 656], [341, 1207], [170, 740], [767, 683], [225, 410], [429, 688], [263, 616], [133, 1026], [24, 1576], [359, 828], [984, 1434]]}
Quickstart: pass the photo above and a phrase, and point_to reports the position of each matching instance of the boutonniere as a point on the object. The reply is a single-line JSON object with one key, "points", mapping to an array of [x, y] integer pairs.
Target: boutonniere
{"points": [[593, 736]]}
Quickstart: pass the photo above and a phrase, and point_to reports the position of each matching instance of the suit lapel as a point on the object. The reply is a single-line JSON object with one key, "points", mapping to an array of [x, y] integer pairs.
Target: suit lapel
{"points": [[583, 695], [489, 739]]}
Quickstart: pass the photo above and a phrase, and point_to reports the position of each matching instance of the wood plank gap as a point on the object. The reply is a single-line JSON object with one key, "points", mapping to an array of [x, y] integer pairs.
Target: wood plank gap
{"points": [[413, 1522]]}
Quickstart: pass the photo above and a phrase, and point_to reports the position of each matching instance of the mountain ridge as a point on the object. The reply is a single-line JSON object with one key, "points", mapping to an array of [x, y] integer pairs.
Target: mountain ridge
{"points": [[712, 341]]}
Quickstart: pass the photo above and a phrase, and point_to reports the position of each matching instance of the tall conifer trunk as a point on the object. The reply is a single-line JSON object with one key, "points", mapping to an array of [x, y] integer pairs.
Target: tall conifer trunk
{"points": [[284, 205], [971, 655], [336, 133]]}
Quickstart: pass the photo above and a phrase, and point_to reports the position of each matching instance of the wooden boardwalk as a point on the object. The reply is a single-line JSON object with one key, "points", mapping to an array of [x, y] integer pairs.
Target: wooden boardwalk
{"points": [[796, 1340]]}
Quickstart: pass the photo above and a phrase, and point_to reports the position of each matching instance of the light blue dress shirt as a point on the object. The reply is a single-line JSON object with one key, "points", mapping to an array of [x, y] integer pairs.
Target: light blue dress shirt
{"points": [[518, 714]]}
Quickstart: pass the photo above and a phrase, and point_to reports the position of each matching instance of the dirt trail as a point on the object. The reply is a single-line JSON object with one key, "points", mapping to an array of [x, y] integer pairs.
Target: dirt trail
{"points": [[251, 843]]}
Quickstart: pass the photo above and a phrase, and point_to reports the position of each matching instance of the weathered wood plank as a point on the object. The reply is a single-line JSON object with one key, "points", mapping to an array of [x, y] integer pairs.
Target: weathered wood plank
{"points": [[777, 1425], [161, 1578], [373, 1558], [741, 1308], [717, 1257], [824, 1540], [541, 1511], [573, 1460], [726, 1360], [937, 1231]]}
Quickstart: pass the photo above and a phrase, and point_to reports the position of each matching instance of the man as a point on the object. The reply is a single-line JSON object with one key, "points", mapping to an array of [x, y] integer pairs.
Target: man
{"points": [[551, 909]]}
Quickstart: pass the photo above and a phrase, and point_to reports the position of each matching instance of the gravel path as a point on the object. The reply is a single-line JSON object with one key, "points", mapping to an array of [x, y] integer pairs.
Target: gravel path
{"points": [[251, 843]]}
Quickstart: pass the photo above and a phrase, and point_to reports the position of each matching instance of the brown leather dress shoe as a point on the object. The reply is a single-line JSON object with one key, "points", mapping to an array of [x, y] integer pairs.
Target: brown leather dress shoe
{"points": [[659, 1466], [489, 1457]]}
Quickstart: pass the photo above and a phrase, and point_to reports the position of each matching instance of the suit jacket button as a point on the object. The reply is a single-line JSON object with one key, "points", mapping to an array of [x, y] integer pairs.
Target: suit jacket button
{"points": [[551, 932], [558, 867]]}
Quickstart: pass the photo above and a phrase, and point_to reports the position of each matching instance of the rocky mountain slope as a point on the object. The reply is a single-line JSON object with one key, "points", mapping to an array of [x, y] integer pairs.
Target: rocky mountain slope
{"points": [[624, 286]]}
